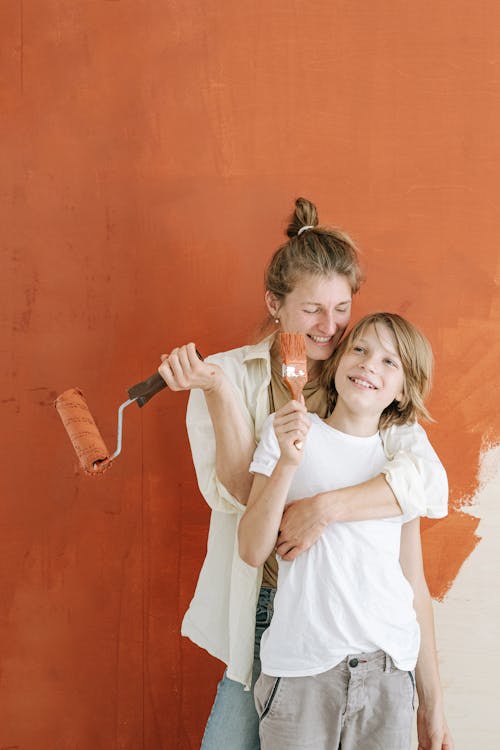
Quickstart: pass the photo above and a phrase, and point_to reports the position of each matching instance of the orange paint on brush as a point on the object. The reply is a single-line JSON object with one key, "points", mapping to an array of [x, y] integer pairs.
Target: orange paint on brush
{"points": [[293, 354]]}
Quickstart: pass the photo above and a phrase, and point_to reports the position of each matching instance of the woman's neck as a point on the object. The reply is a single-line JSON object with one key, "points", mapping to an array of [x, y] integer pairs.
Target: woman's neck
{"points": [[314, 368]]}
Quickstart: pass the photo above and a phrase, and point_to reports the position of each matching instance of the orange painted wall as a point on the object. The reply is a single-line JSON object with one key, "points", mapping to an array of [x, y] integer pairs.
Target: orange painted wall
{"points": [[150, 153]]}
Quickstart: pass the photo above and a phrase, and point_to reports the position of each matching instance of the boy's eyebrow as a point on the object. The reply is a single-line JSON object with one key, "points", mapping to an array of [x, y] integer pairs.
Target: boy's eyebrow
{"points": [[392, 352]]}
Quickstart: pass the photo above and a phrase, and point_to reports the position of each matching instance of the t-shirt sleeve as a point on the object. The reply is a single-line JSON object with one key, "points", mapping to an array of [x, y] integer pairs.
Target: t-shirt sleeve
{"points": [[268, 451], [414, 472]]}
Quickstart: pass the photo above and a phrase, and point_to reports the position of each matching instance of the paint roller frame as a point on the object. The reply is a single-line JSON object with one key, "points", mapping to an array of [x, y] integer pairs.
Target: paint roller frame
{"points": [[83, 432]]}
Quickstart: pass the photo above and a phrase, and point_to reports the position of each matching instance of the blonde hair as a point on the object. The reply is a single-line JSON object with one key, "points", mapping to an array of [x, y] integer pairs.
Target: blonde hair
{"points": [[311, 249], [416, 357]]}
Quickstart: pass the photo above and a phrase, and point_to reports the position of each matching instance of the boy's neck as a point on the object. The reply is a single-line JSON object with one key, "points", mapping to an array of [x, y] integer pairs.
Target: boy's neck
{"points": [[358, 425]]}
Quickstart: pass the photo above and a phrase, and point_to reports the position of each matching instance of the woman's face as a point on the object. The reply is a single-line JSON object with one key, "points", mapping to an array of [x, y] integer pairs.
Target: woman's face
{"points": [[320, 308]]}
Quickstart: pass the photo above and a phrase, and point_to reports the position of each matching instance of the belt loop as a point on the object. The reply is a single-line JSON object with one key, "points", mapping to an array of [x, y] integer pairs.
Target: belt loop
{"points": [[388, 660]]}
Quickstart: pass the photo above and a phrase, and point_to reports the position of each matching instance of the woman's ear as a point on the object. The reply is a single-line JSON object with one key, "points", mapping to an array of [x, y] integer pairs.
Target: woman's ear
{"points": [[272, 303]]}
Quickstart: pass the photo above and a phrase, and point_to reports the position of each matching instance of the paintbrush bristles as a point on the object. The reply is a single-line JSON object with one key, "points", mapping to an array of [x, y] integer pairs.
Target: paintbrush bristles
{"points": [[293, 354], [293, 347]]}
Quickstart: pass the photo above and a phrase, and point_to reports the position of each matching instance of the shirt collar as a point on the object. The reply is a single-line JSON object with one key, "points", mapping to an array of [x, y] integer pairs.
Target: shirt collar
{"points": [[260, 350]]}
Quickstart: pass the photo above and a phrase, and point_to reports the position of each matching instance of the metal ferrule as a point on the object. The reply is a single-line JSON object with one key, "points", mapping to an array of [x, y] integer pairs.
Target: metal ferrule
{"points": [[291, 371]]}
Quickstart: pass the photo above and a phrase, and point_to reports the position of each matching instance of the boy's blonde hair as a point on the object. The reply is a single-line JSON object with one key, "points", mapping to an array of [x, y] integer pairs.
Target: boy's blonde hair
{"points": [[416, 357]]}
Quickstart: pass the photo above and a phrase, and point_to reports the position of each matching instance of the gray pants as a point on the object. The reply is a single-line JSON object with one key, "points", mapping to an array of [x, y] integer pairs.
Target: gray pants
{"points": [[364, 703]]}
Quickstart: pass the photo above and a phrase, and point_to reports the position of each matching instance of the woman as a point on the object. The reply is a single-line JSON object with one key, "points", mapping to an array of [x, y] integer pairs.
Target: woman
{"points": [[310, 282]]}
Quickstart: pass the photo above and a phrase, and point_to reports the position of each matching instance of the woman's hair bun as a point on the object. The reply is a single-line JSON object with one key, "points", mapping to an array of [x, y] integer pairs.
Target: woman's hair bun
{"points": [[305, 215], [320, 251]]}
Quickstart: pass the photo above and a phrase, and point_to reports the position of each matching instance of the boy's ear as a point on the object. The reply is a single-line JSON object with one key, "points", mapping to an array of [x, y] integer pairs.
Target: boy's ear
{"points": [[272, 303]]}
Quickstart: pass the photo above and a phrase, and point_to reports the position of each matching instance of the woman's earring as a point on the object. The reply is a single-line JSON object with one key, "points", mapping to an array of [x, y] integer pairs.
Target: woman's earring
{"points": [[277, 320]]}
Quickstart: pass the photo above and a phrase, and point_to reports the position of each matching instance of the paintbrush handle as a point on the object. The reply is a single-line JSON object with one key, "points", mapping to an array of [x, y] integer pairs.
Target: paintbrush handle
{"points": [[295, 389]]}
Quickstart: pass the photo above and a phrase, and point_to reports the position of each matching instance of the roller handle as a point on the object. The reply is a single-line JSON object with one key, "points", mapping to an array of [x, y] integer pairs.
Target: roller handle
{"points": [[145, 390]]}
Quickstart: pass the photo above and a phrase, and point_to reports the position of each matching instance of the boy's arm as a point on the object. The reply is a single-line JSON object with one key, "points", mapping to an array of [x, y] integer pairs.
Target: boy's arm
{"points": [[433, 732], [258, 528], [275, 462], [413, 481]]}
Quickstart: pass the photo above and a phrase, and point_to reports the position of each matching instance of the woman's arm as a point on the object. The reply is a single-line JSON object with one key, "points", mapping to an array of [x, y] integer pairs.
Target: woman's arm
{"points": [[414, 471], [234, 440], [220, 427], [413, 481], [303, 522], [433, 732]]}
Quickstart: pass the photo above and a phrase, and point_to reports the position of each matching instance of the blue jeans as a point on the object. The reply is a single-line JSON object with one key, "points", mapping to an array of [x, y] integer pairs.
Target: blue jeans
{"points": [[233, 723]]}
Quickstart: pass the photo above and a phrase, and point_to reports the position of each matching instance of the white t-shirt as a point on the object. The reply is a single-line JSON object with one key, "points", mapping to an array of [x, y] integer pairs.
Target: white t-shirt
{"points": [[346, 594]]}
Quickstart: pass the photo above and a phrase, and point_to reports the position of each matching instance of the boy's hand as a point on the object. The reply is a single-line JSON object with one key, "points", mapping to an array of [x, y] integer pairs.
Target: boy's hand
{"points": [[182, 370], [432, 729], [291, 425]]}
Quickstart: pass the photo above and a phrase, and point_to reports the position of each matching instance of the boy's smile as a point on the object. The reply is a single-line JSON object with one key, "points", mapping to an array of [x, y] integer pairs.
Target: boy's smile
{"points": [[361, 382], [369, 377]]}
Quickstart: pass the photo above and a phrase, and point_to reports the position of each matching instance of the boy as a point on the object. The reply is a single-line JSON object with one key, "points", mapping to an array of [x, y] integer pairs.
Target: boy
{"points": [[338, 657]]}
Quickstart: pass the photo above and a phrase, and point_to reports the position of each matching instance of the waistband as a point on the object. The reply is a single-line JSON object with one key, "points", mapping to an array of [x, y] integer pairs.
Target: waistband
{"points": [[367, 662]]}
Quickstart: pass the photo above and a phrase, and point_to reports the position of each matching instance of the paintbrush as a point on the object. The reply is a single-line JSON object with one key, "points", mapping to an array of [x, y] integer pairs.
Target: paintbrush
{"points": [[294, 368]]}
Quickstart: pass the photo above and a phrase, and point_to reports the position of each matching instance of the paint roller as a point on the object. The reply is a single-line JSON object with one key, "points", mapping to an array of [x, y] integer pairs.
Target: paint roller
{"points": [[90, 448]]}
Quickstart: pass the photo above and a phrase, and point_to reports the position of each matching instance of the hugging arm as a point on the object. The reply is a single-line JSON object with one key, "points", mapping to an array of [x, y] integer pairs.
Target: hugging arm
{"points": [[412, 481]]}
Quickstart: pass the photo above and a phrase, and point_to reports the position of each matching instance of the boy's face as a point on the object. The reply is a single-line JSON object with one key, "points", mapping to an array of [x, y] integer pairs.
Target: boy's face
{"points": [[370, 374]]}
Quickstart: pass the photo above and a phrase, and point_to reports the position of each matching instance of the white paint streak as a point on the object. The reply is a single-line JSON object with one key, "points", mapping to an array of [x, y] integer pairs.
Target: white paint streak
{"points": [[468, 625]]}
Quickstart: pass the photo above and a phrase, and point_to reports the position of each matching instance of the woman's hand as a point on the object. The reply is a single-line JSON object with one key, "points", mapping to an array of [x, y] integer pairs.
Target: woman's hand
{"points": [[291, 425], [182, 370], [302, 524]]}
